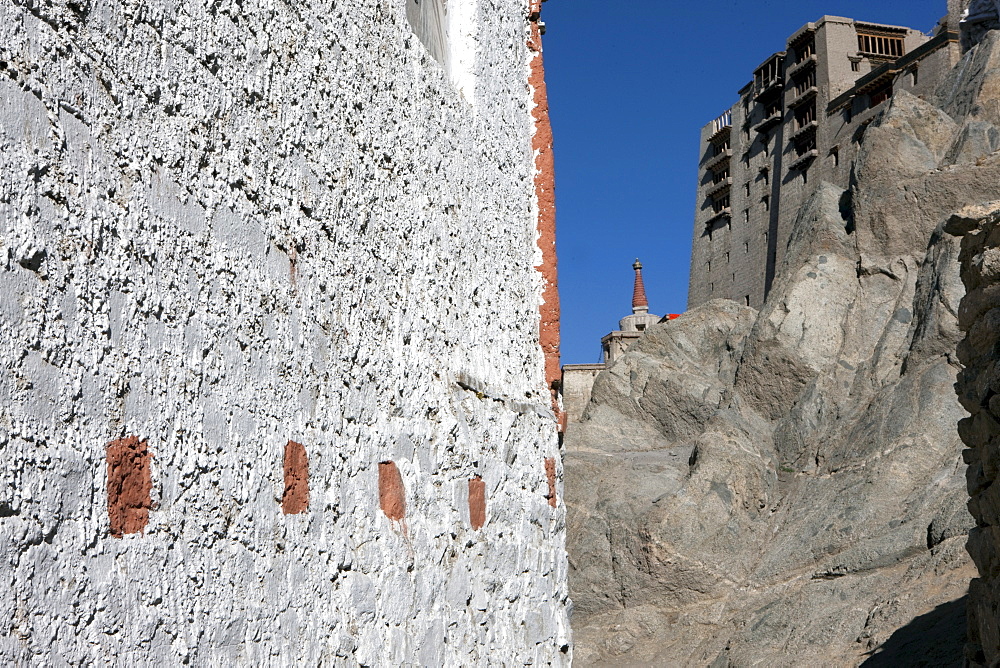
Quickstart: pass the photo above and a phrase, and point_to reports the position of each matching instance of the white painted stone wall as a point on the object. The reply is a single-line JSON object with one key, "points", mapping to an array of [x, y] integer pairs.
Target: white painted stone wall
{"points": [[224, 225]]}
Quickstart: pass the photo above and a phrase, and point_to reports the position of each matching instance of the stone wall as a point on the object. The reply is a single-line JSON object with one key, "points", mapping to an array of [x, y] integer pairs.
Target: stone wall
{"points": [[577, 383], [271, 310], [978, 386]]}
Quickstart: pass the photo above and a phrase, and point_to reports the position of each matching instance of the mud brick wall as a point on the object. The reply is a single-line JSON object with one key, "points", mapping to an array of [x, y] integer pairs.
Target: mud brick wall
{"points": [[275, 284]]}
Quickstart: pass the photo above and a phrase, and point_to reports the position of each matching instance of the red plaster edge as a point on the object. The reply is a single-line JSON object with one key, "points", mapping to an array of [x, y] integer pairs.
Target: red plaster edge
{"points": [[541, 144]]}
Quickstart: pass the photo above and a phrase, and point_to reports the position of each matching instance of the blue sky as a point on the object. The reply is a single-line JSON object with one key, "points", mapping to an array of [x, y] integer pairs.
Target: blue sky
{"points": [[630, 85]]}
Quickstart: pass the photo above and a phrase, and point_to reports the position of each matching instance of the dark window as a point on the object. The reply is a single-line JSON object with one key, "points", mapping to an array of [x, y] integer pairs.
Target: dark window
{"points": [[720, 204], [805, 83], [805, 145], [768, 74], [805, 115], [804, 51], [879, 96]]}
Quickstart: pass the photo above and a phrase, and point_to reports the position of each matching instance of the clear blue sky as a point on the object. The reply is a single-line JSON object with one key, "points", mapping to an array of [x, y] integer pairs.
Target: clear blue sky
{"points": [[630, 85]]}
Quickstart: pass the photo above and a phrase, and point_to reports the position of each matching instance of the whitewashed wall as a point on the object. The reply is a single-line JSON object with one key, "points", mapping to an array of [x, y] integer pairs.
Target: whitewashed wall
{"points": [[224, 225]]}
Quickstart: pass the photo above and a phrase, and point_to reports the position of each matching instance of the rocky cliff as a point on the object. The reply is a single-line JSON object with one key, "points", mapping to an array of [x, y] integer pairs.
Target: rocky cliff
{"points": [[787, 486]]}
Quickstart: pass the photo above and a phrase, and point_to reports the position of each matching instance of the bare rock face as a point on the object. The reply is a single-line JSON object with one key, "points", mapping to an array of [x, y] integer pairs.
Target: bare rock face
{"points": [[979, 18], [786, 486]]}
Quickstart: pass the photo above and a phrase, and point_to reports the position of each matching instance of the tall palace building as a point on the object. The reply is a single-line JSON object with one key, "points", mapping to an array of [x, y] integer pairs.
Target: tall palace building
{"points": [[798, 121]]}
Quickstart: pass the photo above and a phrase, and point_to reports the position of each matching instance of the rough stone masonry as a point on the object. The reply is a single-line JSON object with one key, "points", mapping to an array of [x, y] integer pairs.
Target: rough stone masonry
{"points": [[977, 387], [275, 282]]}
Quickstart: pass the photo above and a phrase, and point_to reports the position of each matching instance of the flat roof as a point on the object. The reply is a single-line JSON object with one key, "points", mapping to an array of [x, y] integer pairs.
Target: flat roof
{"points": [[827, 18]]}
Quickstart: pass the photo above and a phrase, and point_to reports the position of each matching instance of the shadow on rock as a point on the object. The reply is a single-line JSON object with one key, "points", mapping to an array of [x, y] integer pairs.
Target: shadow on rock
{"points": [[934, 639]]}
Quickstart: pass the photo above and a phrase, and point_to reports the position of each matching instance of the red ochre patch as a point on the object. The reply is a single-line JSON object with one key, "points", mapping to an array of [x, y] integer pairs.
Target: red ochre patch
{"points": [[391, 493], [541, 142], [296, 497], [129, 485], [550, 474], [477, 502]]}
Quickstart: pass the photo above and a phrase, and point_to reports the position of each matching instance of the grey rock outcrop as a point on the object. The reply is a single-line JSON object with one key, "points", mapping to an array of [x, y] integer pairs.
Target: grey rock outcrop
{"points": [[786, 486], [980, 17]]}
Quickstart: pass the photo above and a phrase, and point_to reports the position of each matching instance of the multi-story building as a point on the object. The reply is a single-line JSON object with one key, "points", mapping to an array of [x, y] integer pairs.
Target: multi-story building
{"points": [[799, 121]]}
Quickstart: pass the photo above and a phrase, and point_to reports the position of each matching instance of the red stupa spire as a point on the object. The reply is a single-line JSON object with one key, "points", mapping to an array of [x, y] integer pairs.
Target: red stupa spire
{"points": [[639, 302]]}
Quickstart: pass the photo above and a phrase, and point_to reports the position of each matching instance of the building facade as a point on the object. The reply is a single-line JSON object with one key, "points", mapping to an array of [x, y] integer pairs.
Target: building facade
{"points": [[280, 336], [798, 122]]}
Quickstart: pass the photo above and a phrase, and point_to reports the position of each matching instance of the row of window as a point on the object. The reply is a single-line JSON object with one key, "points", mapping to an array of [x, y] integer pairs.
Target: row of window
{"points": [[805, 51], [806, 82], [880, 45], [869, 44], [805, 115], [720, 147], [722, 122], [746, 251], [803, 146], [746, 299], [721, 204]]}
